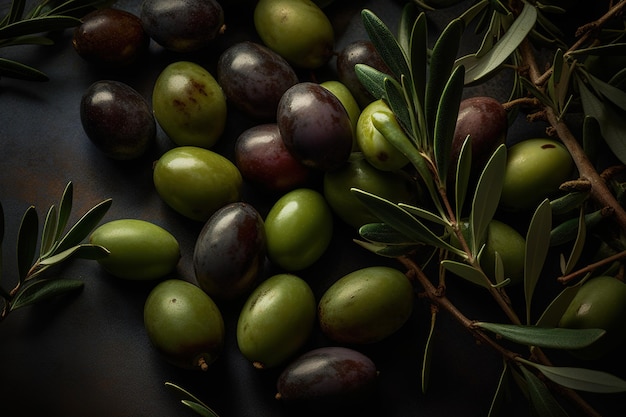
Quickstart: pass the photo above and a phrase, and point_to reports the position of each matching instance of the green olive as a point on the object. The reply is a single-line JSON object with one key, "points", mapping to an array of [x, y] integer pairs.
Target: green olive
{"points": [[298, 30], [510, 246], [298, 227], [600, 303], [189, 105], [276, 320], [184, 324], [377, 150], [535, 169], [347, 99], [138, 249], [366, 305], [196, 182]]}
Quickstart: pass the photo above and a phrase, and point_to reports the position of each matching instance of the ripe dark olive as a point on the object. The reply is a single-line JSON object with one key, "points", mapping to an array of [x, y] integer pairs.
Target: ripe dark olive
{"points": [[328, 378], [110, 37], [117, 119], [358, 52], [230, 251], [315, 126], [484, 120], [254, 79], [263, 159], [182, 25]]}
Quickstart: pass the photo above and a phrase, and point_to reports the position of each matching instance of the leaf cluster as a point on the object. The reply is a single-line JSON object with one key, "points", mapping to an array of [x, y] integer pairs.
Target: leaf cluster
{"points": [[59, 243], [20, 26]]}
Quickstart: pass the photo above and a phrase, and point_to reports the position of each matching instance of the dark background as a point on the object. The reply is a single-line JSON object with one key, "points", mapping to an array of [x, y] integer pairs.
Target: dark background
{"points": [[88, 354]]}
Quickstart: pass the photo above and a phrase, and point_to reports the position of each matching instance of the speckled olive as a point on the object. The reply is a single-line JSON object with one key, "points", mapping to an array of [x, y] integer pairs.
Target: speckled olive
{"points": [[535, 169], [196, 182], [276, 320], [375, 147], [189, 104], [117, 119], [110, 37], [138, 249], [600, 303], [254, 79], [182, 25], [328, 378], [315, 126], [298, 30], [358, 173], [229, 253], [184, 324], [299, 227], [366, 305]]}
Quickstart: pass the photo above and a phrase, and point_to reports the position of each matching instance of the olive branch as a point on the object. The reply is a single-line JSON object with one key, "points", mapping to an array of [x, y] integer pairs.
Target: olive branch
{"points": [[424, 90]]}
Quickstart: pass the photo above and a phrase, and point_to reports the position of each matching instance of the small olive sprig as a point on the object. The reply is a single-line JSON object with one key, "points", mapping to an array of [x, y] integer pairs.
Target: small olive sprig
{"points": [[55, 247], [192, 401], [19, 27]]}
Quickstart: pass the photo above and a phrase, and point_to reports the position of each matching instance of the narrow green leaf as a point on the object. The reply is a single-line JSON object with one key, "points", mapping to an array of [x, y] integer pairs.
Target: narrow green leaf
{"points": [[65, 209], [428, 352], [418, 54], [541, 398], [425, 214], [463, 171], [579, 244], [397, 101], [499, 397], [386, 44], [16, 11], [467, 272], [383, 233], [608, 91], [537, 93], [86, 250], [445, 123], [44, 289], [84, 226], [37, 25], [199, 409], [612, 125], [372, 79], [406, 24], [27, 40], [568, 202], [388, 251], [27, 242], [19, 71], [487, 197], [611, 49], [553, 313], [555, 337], [401, 220], [48, 233], [537, 246], [504, 47], [441, 63], [582, 379]]}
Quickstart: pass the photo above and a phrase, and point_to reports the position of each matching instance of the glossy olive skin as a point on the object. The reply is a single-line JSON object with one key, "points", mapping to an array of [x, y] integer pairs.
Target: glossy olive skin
{"points": [[315, 126], [276, 320], [117, 119], [254, 78], [229, 253], [375, 147], [360, 51], [366, 306], [600, 303], [138, 249], [485, 121], [299, 228], [327, 379], [182, 25], [510, 246], [184, 324], [196, 182], [347, 99], [358, 173], [535, 169], [298, 30], [264, 160], [189, 104], [110, 37]]}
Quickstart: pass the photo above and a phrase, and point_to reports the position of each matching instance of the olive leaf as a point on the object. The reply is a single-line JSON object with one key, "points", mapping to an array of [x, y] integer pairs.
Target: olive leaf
{"points": [[577, 249], [467, 272], [536, 250], [397, 101], [499, 397], [27, 241], [555, 338], [383, 233], [372, 80], [388, 251], [581, 379], [43, 289], [192, 401], [541, 398], [418, 53], [428, 351], [463, 170], [553, 313], [84, 226]]}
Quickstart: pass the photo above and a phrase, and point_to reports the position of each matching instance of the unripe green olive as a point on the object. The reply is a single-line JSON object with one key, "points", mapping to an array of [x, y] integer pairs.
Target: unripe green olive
{"points": [[189, 105], [600, 303], [535, 169], [347, 99], [184, 324], [276, 320], [196, 182], [366, 305], [298, 227], [377, 150], [298, 30], [138, 249]]}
